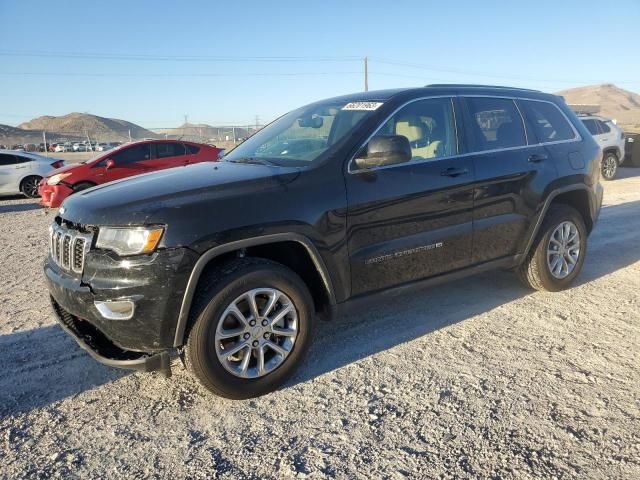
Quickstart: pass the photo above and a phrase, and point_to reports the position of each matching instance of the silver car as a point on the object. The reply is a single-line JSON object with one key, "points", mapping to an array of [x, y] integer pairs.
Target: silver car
{"points": [[610, 137], [21, 172]]}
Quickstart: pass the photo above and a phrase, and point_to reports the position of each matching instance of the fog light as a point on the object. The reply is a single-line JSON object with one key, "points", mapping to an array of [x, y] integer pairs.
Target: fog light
{"points": [[116, 310]]}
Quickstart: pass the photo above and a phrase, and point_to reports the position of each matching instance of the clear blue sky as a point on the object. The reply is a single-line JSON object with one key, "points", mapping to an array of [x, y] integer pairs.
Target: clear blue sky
{"points": [[104, 57]]}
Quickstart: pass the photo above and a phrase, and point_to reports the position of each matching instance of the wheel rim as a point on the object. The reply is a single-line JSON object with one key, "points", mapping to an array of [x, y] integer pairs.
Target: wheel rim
{"points": [[256, 333], [609, 166], [563, 251], [30, 187]]}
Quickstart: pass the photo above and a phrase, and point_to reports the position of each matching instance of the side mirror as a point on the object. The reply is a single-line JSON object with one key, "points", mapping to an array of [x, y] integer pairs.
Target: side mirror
{"points": [[385, 150], [110, 164]]}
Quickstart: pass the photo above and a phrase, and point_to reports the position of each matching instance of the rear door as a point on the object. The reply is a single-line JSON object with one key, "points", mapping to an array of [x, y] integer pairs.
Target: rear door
{"points": [[166, 155], [511, 176], [412, 220], [8, 173]]}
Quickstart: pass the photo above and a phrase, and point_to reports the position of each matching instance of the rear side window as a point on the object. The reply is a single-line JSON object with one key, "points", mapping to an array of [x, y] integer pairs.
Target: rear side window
{"points": [[192, 149], [136, 153], [20, 159], [547, 121], [164, 150], [6, 159], [495, 123], [592, 126], [604, 128]]}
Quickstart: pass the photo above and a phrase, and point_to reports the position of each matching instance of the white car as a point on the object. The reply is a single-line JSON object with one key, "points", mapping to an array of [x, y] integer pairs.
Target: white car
{"points": [[78, 146], [60, 148], [610, 137], [103, 147], [21, 172]]}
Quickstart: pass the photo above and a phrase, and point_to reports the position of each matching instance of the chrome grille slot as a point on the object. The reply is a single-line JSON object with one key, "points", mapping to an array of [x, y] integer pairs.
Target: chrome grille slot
{"points": [[68, 247]]}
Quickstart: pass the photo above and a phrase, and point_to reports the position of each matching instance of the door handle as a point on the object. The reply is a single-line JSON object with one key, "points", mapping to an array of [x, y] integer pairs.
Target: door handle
{"points": [[454, 172], [537, 157]]}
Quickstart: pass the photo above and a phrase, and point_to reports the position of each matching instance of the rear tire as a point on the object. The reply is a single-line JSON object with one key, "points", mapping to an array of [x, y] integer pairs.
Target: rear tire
{"points": [[264, 359], [78, 187], [540, 270], [609, 166], [29, 186]]}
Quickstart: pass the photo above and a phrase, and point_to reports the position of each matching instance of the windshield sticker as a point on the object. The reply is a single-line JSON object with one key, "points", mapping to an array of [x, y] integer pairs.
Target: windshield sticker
{"points": [[362, 106]]}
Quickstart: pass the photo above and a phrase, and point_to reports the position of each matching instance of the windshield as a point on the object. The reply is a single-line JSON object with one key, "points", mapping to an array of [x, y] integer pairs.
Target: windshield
{"points": [[301, 136]]}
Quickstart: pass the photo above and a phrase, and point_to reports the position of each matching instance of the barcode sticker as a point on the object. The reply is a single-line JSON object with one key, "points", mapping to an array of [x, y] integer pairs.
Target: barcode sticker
{"points": [[362, 106]]}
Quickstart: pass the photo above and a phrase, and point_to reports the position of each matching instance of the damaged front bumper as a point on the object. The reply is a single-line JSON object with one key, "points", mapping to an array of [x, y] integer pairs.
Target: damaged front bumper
{"points": [[94, 342]]}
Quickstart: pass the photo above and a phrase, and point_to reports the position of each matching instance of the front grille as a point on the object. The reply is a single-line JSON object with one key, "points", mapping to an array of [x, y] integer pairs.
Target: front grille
{"points": [[68, 247]]}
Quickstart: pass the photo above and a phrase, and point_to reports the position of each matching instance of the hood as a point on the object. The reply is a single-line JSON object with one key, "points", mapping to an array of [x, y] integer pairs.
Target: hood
{"points": [[134, 200], [64, 169]]}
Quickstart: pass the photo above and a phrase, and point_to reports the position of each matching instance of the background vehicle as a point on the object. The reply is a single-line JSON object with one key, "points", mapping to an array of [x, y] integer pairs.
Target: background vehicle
{"points": [[30, 147], [60, 147], [103, 147], [610, 137], [128, 160], [21, 172], [335, 200], [632, 149]]}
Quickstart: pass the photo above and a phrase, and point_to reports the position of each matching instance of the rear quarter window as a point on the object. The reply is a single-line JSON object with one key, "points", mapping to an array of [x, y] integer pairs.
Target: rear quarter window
{"points": [[192, 149], [592, 126], [547, 122]]}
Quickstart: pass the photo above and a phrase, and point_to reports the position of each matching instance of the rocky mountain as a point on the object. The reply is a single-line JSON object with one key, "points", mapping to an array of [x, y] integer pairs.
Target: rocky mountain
{"points": [[83, 124], [614, 102]]}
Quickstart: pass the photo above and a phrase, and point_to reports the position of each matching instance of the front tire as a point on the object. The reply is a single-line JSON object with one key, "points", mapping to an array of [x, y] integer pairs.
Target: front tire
{"points": [[252, 323], [78, 187], [609, 166], [29, 186], [557, 256]]}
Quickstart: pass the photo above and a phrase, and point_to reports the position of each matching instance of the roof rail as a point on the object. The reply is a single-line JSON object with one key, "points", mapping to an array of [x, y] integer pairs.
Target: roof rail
{"points": [[471, 85]]}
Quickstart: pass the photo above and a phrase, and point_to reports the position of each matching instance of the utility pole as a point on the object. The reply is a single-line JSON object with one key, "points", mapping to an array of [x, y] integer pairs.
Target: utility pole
{"points": [[366, 75], [44, 139], [129, 135]]}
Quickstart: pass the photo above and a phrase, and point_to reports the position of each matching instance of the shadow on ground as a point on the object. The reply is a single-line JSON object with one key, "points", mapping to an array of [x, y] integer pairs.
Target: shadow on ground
{"points": [[19, 207], [45, 365]]}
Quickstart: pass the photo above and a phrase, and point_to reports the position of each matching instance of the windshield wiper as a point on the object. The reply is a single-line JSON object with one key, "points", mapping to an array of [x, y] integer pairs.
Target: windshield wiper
{"points": [[251, 161]]}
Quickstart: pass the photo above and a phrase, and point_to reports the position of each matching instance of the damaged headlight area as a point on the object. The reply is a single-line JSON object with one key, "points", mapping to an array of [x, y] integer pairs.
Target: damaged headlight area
{"points": [[129, 240], [57, 178]]}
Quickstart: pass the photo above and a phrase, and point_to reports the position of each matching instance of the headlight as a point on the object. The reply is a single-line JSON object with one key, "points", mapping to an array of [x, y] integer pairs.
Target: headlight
{"points": [[129, 241], [56, 179]]}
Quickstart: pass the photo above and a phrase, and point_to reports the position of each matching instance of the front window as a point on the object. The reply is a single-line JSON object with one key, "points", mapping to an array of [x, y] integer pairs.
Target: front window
{"points": [[301, 137]]}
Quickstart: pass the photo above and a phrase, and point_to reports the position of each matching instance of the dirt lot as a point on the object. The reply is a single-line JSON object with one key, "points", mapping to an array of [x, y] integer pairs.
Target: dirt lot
{"points": [[477, 378]]}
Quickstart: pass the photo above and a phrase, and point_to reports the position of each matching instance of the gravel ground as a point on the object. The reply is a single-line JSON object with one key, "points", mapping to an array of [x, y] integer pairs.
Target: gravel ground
{"points": [[476, 378]]}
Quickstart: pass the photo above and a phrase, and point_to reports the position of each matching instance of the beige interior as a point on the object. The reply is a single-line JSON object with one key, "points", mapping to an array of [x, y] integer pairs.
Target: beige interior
{"points": [[415, 132]]}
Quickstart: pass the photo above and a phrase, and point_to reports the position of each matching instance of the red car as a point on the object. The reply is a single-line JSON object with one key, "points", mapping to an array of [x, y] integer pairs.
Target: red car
{"points": [[124, 161]]}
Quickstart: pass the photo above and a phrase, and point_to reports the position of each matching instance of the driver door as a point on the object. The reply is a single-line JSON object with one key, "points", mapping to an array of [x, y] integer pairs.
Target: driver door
{"points": [[412, 220], [128, 162]]}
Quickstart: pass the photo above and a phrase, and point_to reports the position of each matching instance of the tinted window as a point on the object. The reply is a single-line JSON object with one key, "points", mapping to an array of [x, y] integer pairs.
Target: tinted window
{"points": [[592, 126], [428, 125], [604, 128], [133, 154], [547, 121], [164, 150], [495, 123], [192, 149], [7, 159], [20, 159]]}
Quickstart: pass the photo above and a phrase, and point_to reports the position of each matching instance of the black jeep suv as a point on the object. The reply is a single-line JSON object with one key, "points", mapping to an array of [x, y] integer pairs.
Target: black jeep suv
{"points": [[226, 264]]}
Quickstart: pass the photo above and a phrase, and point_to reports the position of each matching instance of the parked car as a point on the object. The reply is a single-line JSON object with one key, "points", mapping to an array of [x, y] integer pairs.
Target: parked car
{"points": [[60, 148], [21, 172], [29, 147], [632, 149], [227, 265], [130, 159], [3, 147], [610, 137], [18, 148], [103, 147]]}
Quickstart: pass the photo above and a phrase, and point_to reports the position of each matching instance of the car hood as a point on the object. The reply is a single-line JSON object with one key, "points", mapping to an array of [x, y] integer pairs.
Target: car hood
{"points": [[134, 200], [66, 168]]}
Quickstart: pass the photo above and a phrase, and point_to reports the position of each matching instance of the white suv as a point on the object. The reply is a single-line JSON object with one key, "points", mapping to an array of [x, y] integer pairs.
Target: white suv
{"points": [[610, 137]]}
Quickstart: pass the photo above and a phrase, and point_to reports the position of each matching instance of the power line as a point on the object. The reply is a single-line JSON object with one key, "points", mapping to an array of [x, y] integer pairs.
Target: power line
{"points": [[180, 58], [169, 75]]}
